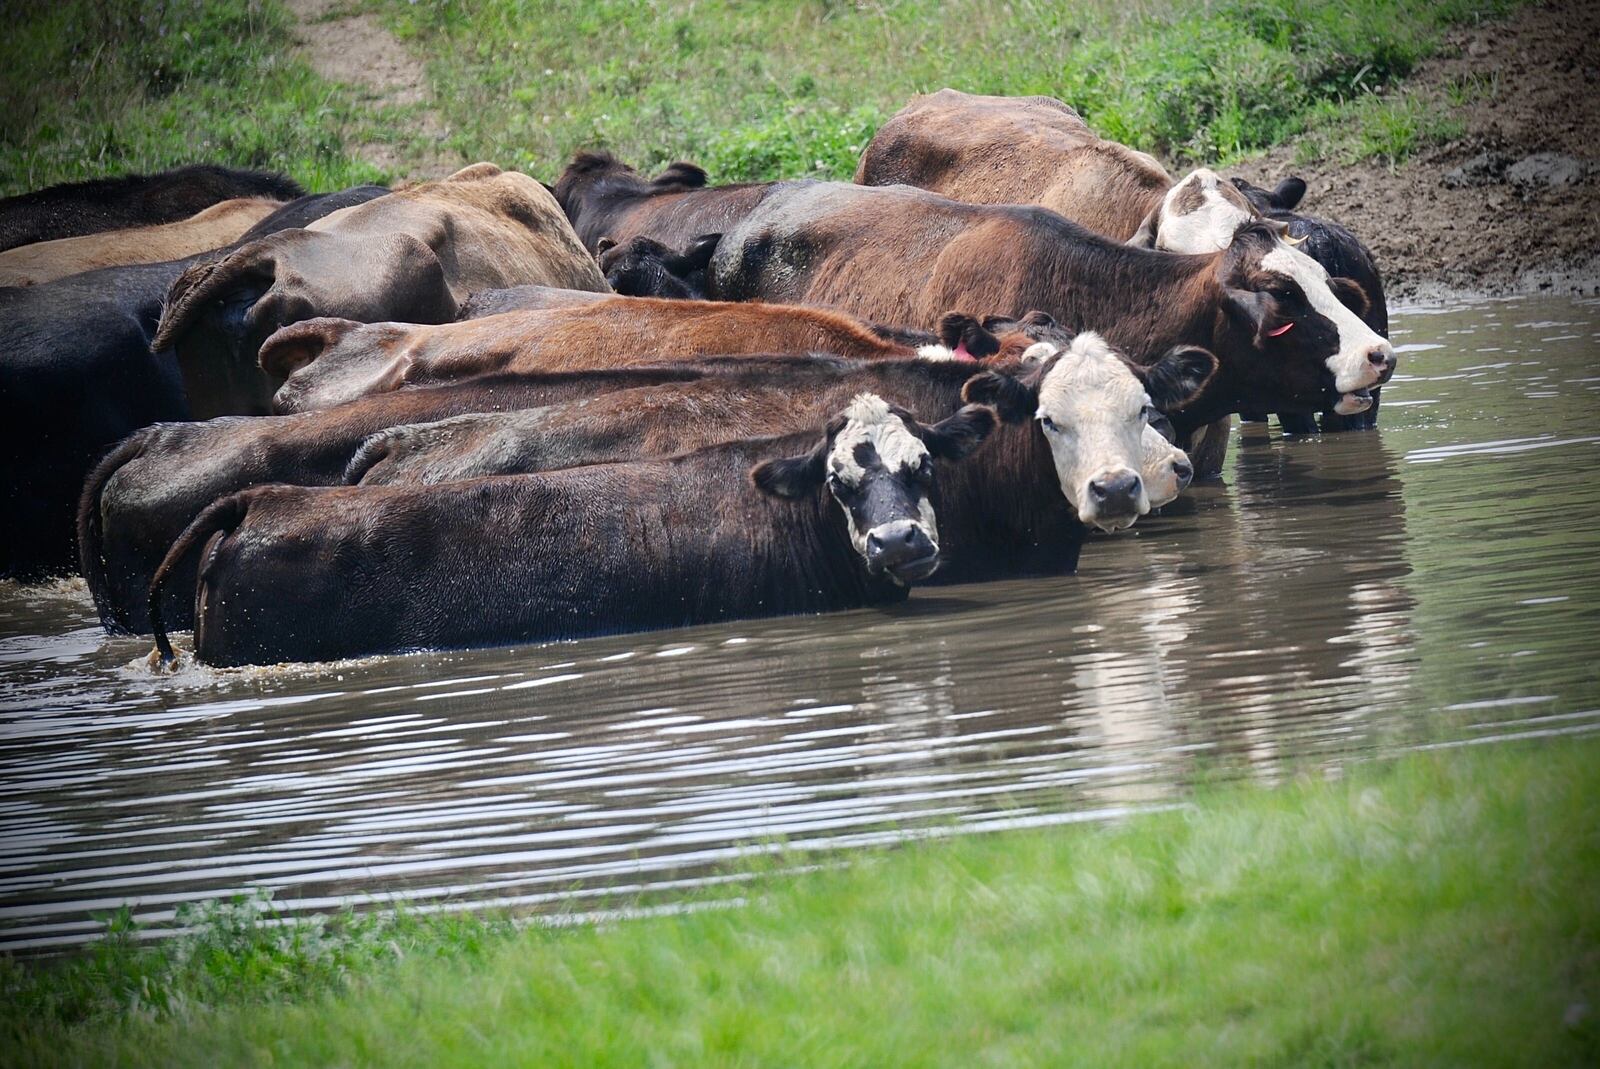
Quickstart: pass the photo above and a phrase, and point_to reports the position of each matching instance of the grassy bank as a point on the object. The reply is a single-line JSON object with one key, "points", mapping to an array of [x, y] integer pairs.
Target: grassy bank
{"points": [[1439, 910], [752, 90]]}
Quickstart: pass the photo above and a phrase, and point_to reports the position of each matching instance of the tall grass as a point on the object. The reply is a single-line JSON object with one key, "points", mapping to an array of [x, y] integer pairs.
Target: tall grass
{"points": [[1435, 911]]}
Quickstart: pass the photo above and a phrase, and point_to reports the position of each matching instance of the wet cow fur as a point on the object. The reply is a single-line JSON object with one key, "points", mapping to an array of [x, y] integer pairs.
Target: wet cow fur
{"points": [[102, 204], [323, 362], [758, 527], [77, 374], [143, 493]]}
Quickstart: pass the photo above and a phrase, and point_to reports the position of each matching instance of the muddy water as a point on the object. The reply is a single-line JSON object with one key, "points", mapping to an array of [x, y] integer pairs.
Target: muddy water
{"points": [[1435, 581]]}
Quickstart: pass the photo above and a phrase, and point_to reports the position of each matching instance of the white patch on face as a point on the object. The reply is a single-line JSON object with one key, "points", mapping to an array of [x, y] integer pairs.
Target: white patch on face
{"points": [[935, 352], [1097, 408], [1156, 468], [1208, 228], [869, 420], [1352, 370], [1039, 352]]}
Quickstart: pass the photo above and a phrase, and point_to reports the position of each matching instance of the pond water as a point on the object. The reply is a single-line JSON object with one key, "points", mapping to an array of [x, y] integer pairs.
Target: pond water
{"points": [[1333, 600]]}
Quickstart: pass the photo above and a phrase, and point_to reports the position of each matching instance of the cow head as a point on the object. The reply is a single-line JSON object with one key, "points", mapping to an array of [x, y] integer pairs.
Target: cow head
{"points": [[1297, 332], [1198, 215], [643, 267], [1093, 408], [877, 463]]}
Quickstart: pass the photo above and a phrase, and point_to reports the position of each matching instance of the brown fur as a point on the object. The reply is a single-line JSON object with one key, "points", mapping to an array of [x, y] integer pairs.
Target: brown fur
{"points": [[327, 361], [1015, 150], [216, 226]]}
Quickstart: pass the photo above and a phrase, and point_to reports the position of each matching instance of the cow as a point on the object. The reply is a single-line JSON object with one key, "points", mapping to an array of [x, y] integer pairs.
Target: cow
{"points": [[644, 267], [524, 299], [212, 228], [1283, 330], [323, 362], [800, 523], [774, 395], [77, 375], [100, 204], [1038, 150], [142, 494], [414, 255], [607, 200]]}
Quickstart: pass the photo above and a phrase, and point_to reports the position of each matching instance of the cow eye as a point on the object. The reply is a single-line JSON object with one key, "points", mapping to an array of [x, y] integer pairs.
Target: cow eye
{"points": [[1148, 413], [925, 469], [1048, 424]]}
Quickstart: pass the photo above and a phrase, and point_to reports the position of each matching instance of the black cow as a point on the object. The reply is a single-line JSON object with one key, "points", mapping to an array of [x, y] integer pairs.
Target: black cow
{"points": [[101, 204], [77, 374], [758, 527]]}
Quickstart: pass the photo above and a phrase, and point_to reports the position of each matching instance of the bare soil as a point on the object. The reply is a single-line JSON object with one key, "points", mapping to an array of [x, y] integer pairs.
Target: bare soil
{"points": [[357, 50], [1507, 229]]}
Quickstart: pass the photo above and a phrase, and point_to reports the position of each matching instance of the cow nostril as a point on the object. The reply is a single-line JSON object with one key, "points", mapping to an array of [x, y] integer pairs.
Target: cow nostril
{"points": [[1381, 357], [1183, 471], [874, 544], [910, 535]]}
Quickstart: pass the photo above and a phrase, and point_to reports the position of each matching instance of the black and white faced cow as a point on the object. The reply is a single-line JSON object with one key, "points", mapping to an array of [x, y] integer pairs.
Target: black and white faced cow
{"points": [[757, 527]]}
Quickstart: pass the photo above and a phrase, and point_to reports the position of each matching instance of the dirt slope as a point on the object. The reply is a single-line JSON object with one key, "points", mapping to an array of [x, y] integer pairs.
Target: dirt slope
{"points": [[1477, 214]]}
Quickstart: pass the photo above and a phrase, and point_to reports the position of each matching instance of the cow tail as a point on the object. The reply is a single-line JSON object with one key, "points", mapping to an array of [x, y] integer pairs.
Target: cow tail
{"points": [[367, 456], [221, 515], [91, 549]]}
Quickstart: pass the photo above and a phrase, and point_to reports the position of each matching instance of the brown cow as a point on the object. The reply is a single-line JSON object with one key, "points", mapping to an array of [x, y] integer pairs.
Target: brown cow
{"points": [[216, 226], [1037, 150], [414, 255], [803, 523], [1270, 313], [324, 362]]}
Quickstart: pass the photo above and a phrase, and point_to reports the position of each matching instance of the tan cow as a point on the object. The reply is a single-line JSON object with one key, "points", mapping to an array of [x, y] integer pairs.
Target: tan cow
{"points": [[412, 256], [216, 226]]}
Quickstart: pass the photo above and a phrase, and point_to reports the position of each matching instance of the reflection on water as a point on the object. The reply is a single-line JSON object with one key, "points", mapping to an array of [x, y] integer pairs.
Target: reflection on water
{"points": [[1435, 580]]}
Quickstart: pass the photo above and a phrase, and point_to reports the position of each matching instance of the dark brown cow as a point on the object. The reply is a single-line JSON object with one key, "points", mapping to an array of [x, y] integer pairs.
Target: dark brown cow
{"points": [[102, 204], [1271, 315], [643, 267], [323, 362], [414, 255], [607, 199], [146, 490], [1037, 150], [796, 524]]}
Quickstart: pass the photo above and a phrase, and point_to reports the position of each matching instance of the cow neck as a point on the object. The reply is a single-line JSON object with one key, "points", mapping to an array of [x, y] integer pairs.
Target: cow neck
{"points": [[1002, 505]]}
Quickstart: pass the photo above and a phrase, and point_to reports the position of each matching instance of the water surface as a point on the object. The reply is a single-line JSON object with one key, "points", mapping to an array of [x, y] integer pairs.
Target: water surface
{"points": [[1333, 600]]}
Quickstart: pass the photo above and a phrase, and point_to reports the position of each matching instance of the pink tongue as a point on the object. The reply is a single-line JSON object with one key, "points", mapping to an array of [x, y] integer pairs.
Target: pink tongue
{"points": [[961, 352], [1280, 331]]}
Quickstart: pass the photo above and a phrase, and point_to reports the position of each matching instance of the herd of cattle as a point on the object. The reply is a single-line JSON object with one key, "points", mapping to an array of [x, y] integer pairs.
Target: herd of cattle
{"points": [[484, 410]]}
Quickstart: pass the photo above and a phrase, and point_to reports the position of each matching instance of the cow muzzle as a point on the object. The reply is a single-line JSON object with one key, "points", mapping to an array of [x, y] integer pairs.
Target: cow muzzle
{"points": [[1116, 499], [903, 549]]}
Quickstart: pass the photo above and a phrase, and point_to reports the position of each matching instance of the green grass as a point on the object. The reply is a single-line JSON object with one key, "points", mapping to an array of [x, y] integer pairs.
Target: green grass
{"points": [[753, 90], [117, 86], [1437, 910], [769, 90]]}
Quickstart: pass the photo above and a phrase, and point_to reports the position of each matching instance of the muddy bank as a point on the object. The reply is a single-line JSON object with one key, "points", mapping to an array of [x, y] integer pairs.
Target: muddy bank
{"points": [[1508, 207]]}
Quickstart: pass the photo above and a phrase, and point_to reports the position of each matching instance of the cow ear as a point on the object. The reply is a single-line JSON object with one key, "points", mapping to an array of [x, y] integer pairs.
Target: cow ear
{"points": [[959, 433], [956, 329], [698, 252], [1011, 399], [1288, 193], [1351, 295], [792, 476], [1145, 236], [603, 246], [291, 348], [1178, 377]]}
